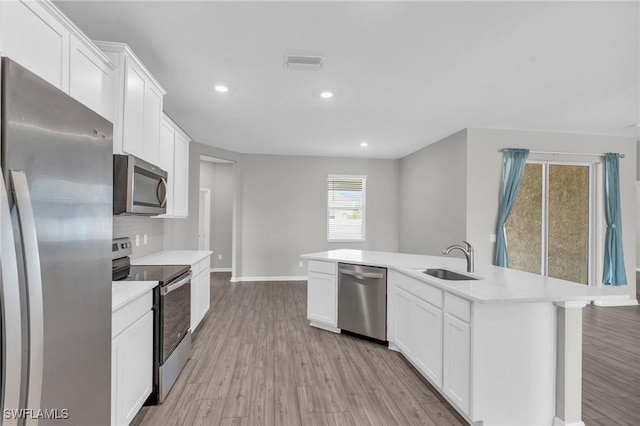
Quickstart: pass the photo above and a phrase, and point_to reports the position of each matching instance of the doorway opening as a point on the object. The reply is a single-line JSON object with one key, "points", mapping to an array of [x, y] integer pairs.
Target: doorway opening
{"points": [[217, 212], [551, 228]]}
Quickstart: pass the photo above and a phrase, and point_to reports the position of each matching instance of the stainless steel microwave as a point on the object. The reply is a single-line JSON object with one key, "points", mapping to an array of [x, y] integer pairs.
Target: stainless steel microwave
{"points": [[139, 188]]}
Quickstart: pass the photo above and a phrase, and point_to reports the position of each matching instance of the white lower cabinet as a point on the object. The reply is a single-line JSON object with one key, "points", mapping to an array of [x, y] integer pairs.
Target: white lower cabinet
{"points": [[417, 326], [428, 329], [322, 294], [131, 362], [457, 362], [200, 291], [402, 305]]}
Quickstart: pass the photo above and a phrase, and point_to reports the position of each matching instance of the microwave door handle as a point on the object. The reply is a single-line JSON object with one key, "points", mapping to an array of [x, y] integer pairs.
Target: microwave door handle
{"points": [[11, 311], [163, 201], [31, 256]]}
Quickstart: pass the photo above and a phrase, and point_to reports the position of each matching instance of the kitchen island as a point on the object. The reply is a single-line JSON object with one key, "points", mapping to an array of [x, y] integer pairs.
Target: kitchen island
{"points": [[503, 349]]}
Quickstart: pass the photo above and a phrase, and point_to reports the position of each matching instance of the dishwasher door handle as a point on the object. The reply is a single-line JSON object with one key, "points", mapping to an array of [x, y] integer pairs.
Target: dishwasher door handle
{"points": [[362, 275]]}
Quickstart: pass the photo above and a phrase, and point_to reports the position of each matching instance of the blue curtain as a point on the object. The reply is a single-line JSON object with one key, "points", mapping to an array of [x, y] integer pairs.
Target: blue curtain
{"points": [[513, 171], [614, 272]]}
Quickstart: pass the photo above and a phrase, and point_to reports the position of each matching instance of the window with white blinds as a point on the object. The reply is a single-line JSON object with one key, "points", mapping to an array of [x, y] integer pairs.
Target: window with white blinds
{"points": [[346, 208]]}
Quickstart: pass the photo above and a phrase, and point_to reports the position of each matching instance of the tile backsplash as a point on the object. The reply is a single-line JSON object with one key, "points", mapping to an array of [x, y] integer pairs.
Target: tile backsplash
{"points": [[129, 226]]}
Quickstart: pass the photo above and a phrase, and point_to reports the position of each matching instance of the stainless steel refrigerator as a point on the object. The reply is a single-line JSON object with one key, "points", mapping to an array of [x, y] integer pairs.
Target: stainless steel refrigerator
{"points": [[55, 264]]}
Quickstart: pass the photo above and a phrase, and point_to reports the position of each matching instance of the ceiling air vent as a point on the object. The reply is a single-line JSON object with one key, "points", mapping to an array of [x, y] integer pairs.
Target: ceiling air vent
{"points": [[303, 62]]}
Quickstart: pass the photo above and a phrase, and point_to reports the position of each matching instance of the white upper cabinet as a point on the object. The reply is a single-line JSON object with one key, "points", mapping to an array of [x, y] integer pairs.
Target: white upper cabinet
{"points": [[136, 104], [89, 77], [181, 176], [42, 39], [173, 156]]}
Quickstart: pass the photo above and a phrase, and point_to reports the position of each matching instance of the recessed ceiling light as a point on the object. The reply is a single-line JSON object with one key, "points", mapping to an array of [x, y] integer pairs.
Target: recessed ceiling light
{"points": [[222, 89], [326, 95], [364, 144]]}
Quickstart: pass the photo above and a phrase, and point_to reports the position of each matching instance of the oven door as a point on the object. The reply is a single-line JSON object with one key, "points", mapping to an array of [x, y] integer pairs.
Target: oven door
{"points": [[140, 188], [175, 311]]}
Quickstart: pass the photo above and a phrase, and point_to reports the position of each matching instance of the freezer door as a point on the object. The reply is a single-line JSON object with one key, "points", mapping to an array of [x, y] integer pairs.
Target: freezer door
{"points": [[65, 151]]}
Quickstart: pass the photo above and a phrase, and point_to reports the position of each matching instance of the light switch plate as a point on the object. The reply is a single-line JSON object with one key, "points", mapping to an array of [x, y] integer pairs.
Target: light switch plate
{"points": [[145, 239], [137, 240], [219, 257], [301, 264], [492, 238]]}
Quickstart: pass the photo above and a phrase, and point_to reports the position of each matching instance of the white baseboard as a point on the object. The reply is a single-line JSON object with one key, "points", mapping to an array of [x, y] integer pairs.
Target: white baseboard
{"points": [[286, 278], [612, 303], [559, 422], [221, 270], [323, 326]]}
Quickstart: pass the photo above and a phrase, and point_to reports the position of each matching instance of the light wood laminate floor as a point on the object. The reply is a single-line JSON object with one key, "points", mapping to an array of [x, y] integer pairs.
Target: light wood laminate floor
{"points": [[256, 361]]}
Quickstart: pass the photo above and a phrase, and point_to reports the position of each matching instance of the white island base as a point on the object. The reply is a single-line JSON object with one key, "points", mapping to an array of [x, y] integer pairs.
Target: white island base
{"points": [[503, 350]]}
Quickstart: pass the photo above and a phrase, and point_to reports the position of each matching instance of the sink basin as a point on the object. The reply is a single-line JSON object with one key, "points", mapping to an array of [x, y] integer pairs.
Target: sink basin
{"points": [[445, 274]]}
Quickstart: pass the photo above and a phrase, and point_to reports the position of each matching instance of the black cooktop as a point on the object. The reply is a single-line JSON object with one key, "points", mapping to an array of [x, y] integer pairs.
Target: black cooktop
{"points": [[162, 273]]}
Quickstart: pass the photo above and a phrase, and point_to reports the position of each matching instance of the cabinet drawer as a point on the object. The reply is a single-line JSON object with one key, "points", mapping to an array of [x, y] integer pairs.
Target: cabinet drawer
{"points": [[130, 313], [457, 307], [419, 288], [322, 267]]}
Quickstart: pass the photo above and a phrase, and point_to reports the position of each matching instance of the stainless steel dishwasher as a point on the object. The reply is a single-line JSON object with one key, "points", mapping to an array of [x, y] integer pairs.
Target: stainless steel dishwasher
{"points": [[362, 300]]}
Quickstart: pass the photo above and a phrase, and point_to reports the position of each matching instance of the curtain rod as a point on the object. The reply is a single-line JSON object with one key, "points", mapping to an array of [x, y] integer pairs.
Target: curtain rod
{"points": [[563, 153]]}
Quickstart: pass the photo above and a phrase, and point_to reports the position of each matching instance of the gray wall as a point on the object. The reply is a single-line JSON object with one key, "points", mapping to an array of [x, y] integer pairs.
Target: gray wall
{"points": [[433, 203], [219, 178], [638, 161], [284, 209], [484, 180], [182, 234], [129, 226]]}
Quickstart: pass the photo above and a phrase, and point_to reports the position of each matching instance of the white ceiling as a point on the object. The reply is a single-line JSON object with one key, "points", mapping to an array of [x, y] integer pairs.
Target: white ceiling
{"points": [[404, 74]]}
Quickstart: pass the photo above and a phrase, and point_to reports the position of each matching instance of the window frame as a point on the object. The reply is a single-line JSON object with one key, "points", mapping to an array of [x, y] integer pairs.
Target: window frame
{"points": [[363, 210]]}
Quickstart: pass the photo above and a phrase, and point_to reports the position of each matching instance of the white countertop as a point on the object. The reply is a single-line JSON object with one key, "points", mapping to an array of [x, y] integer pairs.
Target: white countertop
{"points": [[123, 292], [173, 257], [497, 285]]}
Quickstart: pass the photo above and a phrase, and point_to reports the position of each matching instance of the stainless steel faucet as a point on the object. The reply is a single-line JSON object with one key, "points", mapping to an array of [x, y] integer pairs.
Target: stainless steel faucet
{"points": [[468, 252]]}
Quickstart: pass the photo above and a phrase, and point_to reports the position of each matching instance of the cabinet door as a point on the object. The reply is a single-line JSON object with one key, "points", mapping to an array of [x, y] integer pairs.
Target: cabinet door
{"points": [[195, 302], [165, 161], [427, 340], [321, 298], [457, 361], [152, 119], [403, 306], [181, 177], [205, 292], [89, 78], [134, 98], [132, 360], [32, 37]]}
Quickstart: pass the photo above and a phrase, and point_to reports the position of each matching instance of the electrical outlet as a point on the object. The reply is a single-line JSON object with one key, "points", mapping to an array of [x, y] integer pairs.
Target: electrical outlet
{"points": [[492, 238], [137, 240], [219, 257], [144, 239], [301, 264]]}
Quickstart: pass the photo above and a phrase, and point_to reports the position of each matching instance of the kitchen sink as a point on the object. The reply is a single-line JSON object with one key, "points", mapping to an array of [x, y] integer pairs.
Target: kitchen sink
{"points": [[445, 274]]}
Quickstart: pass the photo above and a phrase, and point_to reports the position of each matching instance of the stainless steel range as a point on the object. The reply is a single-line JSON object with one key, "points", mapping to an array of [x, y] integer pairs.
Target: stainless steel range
{"points": [[172, 309]]}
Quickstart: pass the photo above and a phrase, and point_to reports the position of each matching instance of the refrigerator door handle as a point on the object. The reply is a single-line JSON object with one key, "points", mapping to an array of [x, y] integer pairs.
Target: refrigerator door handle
{"points": [[11, 371], [33, 276]]}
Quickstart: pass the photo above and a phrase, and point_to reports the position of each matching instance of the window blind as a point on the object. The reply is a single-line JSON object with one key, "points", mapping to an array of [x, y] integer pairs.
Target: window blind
{"points": [[346, 208]]}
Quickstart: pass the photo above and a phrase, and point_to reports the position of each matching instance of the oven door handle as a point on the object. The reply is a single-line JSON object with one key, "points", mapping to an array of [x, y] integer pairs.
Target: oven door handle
{"points": [[176, 285]]}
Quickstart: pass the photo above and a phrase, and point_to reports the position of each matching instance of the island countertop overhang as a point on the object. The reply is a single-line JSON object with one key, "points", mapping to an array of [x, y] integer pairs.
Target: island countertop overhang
{"points": [[496, 284]]}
